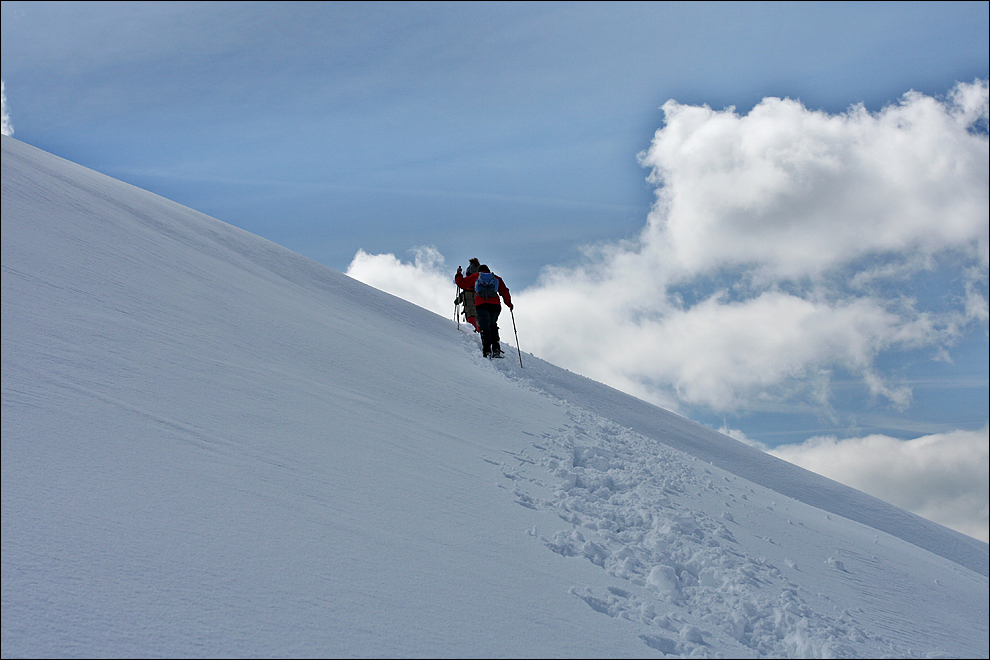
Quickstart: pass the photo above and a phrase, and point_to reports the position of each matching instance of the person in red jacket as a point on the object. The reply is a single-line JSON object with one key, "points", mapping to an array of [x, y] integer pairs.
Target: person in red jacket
{"points": [[487, 288]]}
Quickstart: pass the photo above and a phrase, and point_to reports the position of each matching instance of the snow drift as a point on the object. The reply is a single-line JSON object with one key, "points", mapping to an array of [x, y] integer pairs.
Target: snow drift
{"points": [[212, 446]]}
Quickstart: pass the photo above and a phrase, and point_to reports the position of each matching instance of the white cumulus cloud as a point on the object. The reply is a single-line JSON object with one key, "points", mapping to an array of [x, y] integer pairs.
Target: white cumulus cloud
{"points": [[424, 282], [7, 128], [795, 192], [784, 244]]}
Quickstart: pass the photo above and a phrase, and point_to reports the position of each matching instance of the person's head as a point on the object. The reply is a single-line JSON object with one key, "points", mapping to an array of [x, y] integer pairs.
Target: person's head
{"points": [[483, 268], [473, 261]]}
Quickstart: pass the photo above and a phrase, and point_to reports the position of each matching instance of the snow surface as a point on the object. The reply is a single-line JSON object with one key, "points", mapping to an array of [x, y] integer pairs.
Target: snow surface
{"points": [[212, 446]]}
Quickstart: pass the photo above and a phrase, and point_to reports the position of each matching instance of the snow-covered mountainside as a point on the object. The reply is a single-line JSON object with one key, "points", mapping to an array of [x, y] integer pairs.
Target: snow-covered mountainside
{"points": [[212, 446]]}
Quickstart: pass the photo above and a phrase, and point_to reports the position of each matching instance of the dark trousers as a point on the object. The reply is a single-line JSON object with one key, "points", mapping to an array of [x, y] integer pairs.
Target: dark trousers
{"points": [[488, 322]]}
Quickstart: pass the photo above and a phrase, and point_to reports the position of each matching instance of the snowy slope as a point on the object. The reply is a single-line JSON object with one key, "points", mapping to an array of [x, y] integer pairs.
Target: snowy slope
{"points": [[213, 446]]}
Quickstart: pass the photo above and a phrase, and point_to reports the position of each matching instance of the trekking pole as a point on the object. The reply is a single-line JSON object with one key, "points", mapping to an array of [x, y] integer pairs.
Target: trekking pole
{"points": [[518, 350], [457, 296]]}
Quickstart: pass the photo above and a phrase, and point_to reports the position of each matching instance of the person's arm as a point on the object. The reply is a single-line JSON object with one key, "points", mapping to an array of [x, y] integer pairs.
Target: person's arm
{"points": [[504, 292], [466, 283]]}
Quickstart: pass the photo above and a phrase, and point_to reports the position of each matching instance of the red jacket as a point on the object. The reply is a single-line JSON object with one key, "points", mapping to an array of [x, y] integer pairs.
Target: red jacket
{"points": [[466, 282]]}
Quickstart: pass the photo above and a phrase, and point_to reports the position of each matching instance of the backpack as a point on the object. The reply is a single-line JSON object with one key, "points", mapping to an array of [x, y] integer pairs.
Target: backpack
{"points": [[486, 286]]}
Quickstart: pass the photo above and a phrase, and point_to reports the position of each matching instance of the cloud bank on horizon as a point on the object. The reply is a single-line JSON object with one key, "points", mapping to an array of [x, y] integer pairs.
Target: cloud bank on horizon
{"points": [[941, 477], [786, 246]]}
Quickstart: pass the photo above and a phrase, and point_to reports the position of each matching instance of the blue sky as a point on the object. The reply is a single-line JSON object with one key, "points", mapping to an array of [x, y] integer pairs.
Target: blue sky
{"points": [[395, 141], [336, 127]]}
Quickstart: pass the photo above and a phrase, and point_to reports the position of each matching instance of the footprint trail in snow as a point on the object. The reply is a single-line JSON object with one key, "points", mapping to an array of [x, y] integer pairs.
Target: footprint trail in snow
{"points": [[661, 525]]}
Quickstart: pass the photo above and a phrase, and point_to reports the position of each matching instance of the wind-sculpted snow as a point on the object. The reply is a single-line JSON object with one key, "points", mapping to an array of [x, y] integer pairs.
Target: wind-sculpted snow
{"points": [[215, 447]]}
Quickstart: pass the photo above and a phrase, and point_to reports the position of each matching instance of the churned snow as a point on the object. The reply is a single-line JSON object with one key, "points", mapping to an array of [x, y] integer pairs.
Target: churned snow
{"points": [[213, 446]]}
